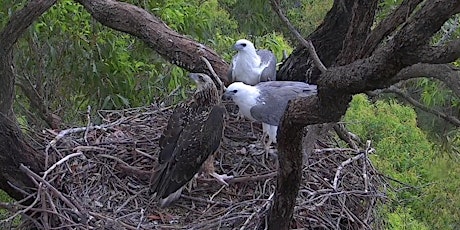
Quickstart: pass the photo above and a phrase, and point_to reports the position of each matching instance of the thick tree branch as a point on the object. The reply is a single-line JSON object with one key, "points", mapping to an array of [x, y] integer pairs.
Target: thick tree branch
{"points": [[15, 27], [363, 13], [174, 47], [14, 149], [290, 166], [378, 70], [438, 54], [446, 73], [388, 25]]}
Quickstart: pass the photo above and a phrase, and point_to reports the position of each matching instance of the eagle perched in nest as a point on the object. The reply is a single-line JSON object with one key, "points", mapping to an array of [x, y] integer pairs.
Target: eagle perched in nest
{"points": [[193, 133]]}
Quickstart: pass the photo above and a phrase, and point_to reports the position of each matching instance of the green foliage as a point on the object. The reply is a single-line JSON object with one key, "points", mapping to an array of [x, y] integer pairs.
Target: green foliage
{"points": [[405, 154], [256, 18], [4, 213], [401, 219], [307, 15], [75, 62]]}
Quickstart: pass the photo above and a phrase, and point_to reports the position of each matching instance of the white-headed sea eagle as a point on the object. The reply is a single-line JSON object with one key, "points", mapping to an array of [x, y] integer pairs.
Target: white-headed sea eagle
{"points": [[266, 101]]}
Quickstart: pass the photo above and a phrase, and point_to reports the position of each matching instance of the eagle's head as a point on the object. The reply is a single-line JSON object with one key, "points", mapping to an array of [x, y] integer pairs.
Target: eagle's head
{"points": [[206, 90], [241, 93], [244, 45]]}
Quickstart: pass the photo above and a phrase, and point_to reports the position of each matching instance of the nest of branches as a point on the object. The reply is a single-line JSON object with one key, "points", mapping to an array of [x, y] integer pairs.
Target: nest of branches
{"points": [[97, 177]]}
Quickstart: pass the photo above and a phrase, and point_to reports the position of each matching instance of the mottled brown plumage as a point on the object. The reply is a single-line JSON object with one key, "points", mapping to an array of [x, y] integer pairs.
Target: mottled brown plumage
{"points": [[194, 132]]}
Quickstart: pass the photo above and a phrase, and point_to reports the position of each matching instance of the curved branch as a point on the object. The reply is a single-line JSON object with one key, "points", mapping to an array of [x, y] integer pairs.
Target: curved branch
{"points": [[174, 47], [308, 44], [14, 149], [446, 73], [392, 89], [438, 54], [16, 26]]}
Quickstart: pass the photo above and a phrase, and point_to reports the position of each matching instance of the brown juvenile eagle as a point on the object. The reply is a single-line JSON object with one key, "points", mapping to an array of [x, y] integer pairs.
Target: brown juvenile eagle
{"points": [[193, 133]]}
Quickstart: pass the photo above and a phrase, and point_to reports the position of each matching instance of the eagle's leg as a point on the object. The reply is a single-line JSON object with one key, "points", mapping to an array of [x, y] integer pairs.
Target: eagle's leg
{"points": [[208, 168]]}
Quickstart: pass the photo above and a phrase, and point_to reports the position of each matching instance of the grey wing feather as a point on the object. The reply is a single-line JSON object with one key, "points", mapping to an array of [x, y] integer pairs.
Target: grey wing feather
{"points": [[274, 98], [199, 138], [230, 76], [269, 73]]}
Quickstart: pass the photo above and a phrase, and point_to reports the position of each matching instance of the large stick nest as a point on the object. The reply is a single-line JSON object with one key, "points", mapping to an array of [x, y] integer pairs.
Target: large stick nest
{"points": [[97, 177]]}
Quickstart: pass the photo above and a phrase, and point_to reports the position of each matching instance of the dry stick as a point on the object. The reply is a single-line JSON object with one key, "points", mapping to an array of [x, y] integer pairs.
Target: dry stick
{"points": [[258, 211], [342, 165], [205, 200], [141, 219], [88, 117], [365, 176], [63, 160], [127, 226], [392, 89], [31, 174], [325, 150], [65, 132], [308, 44], [22, 211], [214, 74]]}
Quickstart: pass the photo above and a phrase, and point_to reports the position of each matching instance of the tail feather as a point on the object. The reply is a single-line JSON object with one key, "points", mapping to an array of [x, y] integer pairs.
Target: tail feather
{"points": [[167, 201]]}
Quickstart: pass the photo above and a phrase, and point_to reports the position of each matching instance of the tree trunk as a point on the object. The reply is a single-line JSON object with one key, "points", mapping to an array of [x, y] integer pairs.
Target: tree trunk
{"points": [[14, 149]]}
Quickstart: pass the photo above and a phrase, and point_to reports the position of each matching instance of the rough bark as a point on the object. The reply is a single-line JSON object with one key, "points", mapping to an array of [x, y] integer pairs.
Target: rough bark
{"points": [[381, 64], [290, 166], [327, 39], [14, 149], [174, 47], [337, 85]]}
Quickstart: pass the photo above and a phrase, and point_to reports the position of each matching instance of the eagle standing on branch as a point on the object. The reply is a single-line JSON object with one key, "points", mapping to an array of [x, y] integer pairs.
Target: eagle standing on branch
{"points": [[251, 66], [193, 133]]}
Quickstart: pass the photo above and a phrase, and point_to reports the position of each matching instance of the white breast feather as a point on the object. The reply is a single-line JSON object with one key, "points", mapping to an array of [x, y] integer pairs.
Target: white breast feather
{"points": [[246, 99], [247, 68]]}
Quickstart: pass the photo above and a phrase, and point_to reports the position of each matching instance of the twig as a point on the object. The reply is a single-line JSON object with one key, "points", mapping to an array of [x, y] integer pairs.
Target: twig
{"points": [[88, 117], [342, 165], [22, 211], [366, 153], [266, 204], [214, 74], [66, 158], [141, 218], [346, 135], [325, 150], [204, 200], [393, 89], [218, 191], [65, 132], [127, 226], [144, 154], [52, 188], [247, 178], [307, 43]]}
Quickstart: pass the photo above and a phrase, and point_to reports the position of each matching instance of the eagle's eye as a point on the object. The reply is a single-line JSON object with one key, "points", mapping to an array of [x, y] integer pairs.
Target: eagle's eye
{"points": [[234, 91], [243, 44]]}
